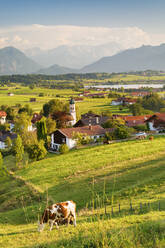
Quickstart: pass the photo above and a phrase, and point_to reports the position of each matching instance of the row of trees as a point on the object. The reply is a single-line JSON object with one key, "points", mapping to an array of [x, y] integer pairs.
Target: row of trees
{"points": [[148, 104]]}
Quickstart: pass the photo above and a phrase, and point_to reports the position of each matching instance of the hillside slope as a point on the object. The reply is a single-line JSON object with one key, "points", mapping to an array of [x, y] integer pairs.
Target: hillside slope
{"points": [[117, 173]]}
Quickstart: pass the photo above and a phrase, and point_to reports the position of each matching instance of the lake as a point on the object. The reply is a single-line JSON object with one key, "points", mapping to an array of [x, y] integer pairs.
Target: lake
{"points": [[126, 86]]}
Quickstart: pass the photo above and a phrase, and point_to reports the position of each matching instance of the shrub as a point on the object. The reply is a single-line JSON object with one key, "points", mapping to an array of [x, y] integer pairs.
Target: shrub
{"points": [[37, 151], [121, 132], [141, 127], [63, 149], [41, 94]]}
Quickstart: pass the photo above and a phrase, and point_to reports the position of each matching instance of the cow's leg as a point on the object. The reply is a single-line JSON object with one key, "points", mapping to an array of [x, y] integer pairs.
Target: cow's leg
{"points": [[55, 222], [74, 219], [51, 222]]}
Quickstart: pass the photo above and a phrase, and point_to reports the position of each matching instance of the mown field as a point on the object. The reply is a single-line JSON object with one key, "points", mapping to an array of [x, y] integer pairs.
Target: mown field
{"points": [[120, 173]]}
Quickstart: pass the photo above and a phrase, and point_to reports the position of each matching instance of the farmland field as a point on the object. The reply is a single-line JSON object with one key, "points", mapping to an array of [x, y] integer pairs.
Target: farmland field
{"points": [[23, 94], [120, 173]]}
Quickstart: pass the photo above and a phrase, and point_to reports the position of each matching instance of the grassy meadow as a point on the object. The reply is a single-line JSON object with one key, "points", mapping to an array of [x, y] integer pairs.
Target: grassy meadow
{"points": [[98, 179]]}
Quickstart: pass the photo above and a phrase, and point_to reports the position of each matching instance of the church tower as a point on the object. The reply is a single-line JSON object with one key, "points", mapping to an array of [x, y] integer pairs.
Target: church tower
{"points": [[72, 111]]}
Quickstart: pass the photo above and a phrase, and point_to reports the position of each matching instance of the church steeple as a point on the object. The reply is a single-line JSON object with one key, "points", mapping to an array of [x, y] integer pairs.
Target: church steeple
{"points": [[72, 110]]}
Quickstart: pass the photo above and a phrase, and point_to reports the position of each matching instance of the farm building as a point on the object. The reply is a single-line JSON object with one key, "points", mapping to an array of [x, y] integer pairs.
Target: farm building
{"points": [[65, 135], [156, 122], [32, 99]]}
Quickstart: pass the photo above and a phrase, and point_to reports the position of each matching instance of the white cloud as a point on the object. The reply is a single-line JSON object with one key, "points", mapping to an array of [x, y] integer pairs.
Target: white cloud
{"points": [[47, 37]]}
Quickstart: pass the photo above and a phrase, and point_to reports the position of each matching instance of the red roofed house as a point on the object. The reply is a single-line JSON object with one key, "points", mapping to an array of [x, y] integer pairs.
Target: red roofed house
{"points": [[3, 117], [65, 135], [156, 122], [132, 121]]}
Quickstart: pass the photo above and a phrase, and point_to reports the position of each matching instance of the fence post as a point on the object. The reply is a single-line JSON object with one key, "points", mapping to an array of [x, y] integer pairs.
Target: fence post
{"points": [[105, 208], [159, 206], [141, 207], [119, 207], [131, 209], [112, 210]]}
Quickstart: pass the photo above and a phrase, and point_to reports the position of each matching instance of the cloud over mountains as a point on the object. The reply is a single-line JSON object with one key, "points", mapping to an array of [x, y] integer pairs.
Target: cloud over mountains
{"points": [[49, 37]]}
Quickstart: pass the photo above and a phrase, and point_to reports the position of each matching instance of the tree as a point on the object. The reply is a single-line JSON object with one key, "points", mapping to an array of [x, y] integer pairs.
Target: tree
{"points": [[153, 102], [8, 142], [114, 123], [4, 127], [21, 123], [122, 132], [53, 106], [37, 151], [26, 109], [42, 131], [2, 168], [50, 125], [18, 150]]}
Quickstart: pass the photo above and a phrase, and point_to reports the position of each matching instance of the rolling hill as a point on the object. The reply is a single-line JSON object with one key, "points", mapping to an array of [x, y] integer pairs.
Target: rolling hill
{"points": [[139, 59], [56, 70], [13, 61], [127, 172]]}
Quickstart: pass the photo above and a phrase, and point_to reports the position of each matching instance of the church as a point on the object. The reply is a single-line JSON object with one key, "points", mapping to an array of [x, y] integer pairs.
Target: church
{"points": [[65, 135]]}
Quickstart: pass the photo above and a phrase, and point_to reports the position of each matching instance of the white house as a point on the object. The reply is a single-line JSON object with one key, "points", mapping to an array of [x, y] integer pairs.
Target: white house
{"points": [[116, 102], [65, 135], [3, 117]]}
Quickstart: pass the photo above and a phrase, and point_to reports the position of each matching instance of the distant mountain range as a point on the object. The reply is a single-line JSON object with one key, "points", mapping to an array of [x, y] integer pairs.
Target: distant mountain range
{"points": [[13, 61], [72, 56], [139, 59]]}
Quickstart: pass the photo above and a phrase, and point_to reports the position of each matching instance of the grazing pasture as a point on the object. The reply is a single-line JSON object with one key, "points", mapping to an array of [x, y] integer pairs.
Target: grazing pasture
{"points": [[120, 173]]}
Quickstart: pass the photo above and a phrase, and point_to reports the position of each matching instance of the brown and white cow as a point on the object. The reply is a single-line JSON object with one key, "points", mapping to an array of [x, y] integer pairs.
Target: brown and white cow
{"points": [[58, 213]]}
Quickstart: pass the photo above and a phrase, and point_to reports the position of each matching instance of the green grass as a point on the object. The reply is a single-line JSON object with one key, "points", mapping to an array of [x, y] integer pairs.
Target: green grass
{"points": [[122, 172], [22, 96]]}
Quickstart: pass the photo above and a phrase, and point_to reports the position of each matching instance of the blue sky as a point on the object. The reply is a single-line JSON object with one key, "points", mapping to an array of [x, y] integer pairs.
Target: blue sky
{"points": [[146, 14], [127, 23]]}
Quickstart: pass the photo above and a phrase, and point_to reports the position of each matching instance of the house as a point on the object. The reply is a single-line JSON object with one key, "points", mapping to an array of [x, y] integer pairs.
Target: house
{"points": [[32, 99], [78, 99], [91, 119], [95, 95], [3, 137], [140, 93], [117, 102], [156, 122], [65, 135], [10, 94], [132, 121], [2, 117], [123, 101]]}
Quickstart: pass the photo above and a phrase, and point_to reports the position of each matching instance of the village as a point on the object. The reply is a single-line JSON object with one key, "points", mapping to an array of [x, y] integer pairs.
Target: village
{"points": [[68, 131]]}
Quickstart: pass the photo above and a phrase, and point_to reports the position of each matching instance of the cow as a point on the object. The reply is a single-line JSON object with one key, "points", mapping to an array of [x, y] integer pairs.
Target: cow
{"points": [[58, 213]]}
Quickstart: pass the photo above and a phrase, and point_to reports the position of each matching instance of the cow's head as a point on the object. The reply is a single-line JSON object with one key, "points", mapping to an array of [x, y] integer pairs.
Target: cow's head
{"points": [[40, 226], [44, 219]]}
